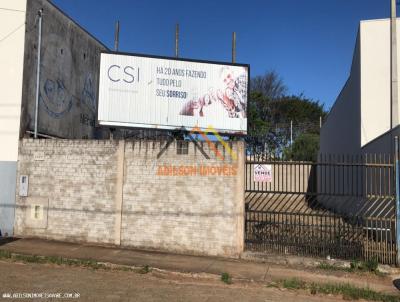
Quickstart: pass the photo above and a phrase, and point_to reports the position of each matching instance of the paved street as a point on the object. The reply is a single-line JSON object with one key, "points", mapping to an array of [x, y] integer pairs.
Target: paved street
{"points": [[103, 285]]}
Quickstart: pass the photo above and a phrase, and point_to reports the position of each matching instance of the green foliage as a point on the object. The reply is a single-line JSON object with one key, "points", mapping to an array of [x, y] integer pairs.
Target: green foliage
{"points": [[348, 291], [145, 269], [304, 148], [257, 111], [226, 278], [270, 114], [293, 283], [354, 264], [371, 265]]}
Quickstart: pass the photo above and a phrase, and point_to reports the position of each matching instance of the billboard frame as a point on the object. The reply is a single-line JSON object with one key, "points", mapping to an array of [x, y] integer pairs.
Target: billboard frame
{"points": [[172, 129]]}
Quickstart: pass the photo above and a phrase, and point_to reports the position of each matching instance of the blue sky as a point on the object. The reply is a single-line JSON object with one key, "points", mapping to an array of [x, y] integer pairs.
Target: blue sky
{"points": [[309, 43]]}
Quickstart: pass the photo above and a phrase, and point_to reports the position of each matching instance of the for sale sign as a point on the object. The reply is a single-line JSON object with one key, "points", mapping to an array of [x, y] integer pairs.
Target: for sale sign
{"points": [[262, 173]]}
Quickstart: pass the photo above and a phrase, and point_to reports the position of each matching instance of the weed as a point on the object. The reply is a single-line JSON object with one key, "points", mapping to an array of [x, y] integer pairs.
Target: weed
{"points": [[226, 278], [348, 292], [293, 283], [371, 265], [331, 267], [355, 266], [5, 254], [145, 269]]}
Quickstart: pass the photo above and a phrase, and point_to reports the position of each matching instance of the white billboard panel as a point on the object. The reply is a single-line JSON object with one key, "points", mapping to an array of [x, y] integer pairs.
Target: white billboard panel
{"points": [[168, 93]]}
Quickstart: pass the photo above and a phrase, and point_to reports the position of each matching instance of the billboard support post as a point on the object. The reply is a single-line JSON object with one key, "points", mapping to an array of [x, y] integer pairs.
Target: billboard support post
{"points": [[177, 40], [40, 14], [234, 47], [116, 36]]}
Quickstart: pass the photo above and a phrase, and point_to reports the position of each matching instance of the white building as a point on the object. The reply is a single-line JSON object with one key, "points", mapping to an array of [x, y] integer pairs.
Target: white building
{"points": [[359, 121], [69, 65], [12, 35]]}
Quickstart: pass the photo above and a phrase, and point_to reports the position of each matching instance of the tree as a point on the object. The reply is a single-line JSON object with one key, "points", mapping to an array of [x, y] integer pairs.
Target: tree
{"points": [[271, 113], [304, 113], [269, 85], [304, 148]]}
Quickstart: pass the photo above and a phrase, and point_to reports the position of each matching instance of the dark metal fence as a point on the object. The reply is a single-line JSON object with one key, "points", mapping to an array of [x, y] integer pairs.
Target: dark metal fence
{"points": [[339, 206]]}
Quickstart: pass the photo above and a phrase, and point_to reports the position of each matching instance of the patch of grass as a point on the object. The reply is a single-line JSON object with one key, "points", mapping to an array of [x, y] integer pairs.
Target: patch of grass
{"points": [[347, 291], [145, 269], [89, 263], [371, 265], [293, 283], [226, 278], [5, 254], [331, 267], [355, 266]]}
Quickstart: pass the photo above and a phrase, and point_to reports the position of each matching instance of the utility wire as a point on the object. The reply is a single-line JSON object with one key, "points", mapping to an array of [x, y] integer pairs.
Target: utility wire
{"points": [[12, 10], [11, 33]]}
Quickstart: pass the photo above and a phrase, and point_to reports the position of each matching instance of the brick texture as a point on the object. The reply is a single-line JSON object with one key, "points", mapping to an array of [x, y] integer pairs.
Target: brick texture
{"points": [[166, 203]]}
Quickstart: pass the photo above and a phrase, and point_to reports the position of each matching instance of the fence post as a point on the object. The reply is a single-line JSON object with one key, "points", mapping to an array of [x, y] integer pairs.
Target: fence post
{"points": [[397, 168]]}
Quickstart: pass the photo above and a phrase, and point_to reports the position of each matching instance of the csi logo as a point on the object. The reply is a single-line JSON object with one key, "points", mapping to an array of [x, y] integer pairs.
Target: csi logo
{"points": [[128, 74]]}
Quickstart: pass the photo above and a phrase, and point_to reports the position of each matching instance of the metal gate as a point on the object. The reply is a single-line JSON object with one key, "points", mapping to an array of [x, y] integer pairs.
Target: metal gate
{"points": [[339, 206]]}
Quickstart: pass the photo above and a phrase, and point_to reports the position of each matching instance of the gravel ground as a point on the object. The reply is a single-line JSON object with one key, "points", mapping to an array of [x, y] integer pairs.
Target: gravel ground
{"points": [[117, 285]]}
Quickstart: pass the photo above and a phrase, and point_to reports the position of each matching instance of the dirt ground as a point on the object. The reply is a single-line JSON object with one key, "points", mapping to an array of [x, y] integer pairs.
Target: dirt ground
{"points": [[117, 285]]}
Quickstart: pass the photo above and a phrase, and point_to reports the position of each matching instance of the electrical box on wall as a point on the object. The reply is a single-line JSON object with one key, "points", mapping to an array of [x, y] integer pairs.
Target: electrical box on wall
{"points": [[23, 185]]}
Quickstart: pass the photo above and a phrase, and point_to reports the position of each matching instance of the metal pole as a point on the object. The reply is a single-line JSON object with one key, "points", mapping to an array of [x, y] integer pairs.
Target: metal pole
{"points": [[234, 47], [396, 144], [393, 67], [40, 14], [177, 40], [291, 132], [116, 36], [320, 122]]}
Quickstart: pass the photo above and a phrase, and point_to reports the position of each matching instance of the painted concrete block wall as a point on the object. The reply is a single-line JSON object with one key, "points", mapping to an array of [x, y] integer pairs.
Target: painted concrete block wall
{"points": [[375, 78], [77, 178], [113, 192], [70, 60], [340, 133]]}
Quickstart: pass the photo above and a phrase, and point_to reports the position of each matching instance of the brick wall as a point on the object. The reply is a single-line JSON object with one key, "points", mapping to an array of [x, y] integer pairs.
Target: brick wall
{"points": [[117, 192]]}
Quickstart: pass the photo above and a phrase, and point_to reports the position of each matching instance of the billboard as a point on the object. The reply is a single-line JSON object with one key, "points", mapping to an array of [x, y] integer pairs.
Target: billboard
{"points": [[170, 93]]}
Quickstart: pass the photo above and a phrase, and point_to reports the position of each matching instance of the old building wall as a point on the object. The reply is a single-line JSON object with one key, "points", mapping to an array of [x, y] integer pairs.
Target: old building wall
{"points": [[128, 193], [70, 59]]}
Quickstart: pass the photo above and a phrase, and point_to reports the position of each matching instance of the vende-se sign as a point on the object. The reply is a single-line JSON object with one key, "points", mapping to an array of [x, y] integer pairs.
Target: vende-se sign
{"points": [[169, 93]]}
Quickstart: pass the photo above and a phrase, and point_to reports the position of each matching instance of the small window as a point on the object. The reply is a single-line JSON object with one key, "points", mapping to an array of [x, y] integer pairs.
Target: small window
{"points": [[182, 147]]}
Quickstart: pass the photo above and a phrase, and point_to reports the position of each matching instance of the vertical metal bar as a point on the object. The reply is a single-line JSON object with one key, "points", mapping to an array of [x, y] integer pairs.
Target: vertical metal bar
{"points": [[40, 14], [396, 144], [291, 136], [116, 36]]}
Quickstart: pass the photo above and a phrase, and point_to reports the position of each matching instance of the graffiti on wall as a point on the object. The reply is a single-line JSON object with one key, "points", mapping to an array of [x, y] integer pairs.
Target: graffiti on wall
{"points": [[88, 93], [66, 86], [57, 101]]}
